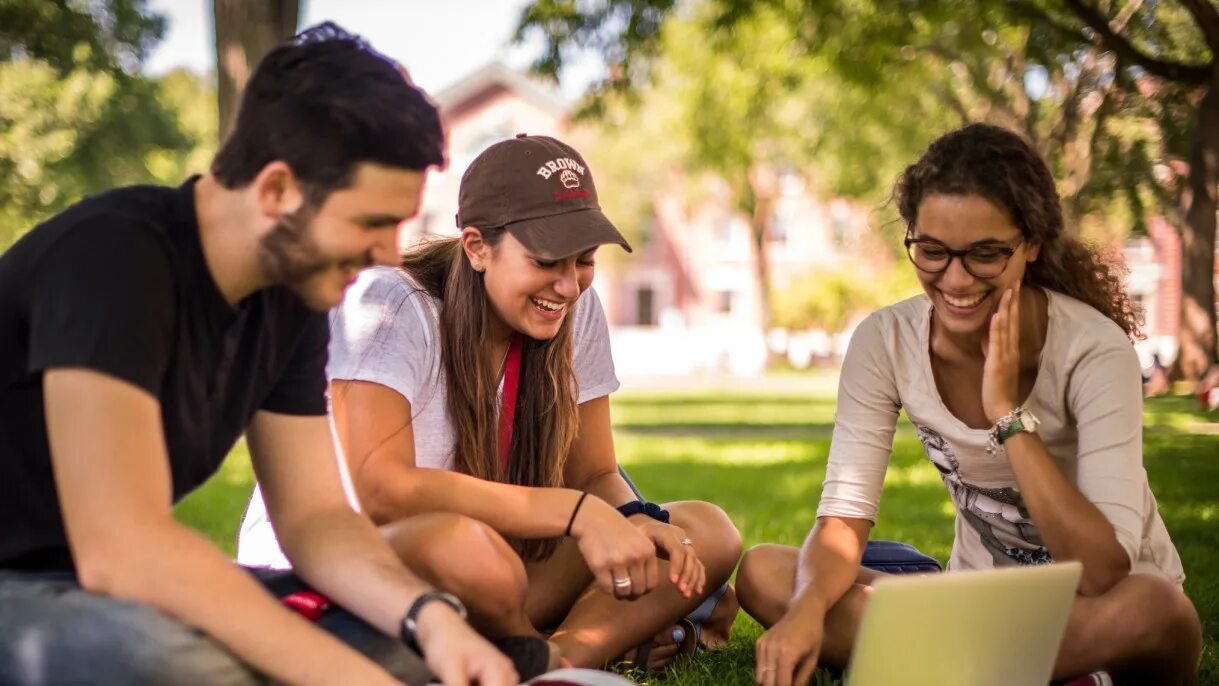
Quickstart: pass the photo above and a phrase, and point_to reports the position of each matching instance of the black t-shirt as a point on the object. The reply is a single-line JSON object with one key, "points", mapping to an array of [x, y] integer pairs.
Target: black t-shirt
{"points": [[117, 283]]}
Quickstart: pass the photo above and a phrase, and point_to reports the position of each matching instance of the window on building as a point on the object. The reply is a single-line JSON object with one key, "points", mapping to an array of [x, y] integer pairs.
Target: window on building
{"points": [[645, 306]]}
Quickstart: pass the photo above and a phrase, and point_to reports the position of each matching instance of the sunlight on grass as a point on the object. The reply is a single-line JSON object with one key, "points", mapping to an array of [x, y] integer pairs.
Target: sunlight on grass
{"points": [[1202, 513], [632, 449], [761, 456]]}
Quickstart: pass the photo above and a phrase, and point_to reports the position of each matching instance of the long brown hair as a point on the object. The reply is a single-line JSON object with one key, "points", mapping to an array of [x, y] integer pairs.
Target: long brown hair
{"points": [[546, 412], [999, 165]]}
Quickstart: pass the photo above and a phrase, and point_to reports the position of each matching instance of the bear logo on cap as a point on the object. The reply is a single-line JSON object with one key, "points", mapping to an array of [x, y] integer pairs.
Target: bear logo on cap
{"points": [[569, 179]]}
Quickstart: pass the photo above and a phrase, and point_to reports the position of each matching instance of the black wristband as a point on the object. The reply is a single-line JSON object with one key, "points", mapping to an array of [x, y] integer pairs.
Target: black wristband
{"points": [[652, 510], [410, 621], [574, 511]]}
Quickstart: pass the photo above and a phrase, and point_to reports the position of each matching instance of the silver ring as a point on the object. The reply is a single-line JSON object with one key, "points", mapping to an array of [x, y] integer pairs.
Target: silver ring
{"points": [[622, 583], [686, 541]]}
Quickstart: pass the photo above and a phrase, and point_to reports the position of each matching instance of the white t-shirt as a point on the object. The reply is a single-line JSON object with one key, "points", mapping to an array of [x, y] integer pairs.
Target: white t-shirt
{"points": [[387, 331], [1087, 395]]}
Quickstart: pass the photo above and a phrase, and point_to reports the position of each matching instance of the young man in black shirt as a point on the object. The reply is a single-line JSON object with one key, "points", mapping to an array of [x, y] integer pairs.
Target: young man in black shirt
{"points": [[142, 331]]}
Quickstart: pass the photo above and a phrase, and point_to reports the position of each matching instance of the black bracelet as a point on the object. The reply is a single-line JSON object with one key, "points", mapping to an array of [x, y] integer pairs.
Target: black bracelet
{"points": [[409, 624], [574, 511], [652, 510]]}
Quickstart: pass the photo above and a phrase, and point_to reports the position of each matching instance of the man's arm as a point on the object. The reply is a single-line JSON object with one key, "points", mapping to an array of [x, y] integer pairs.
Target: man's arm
{"points": [[112, 475], [339, 552]]}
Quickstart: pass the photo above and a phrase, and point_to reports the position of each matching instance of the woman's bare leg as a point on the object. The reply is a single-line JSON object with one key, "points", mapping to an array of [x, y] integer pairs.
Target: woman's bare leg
{"points": [[595, 627], [1144, 629], [765, 584], [469, 559]]}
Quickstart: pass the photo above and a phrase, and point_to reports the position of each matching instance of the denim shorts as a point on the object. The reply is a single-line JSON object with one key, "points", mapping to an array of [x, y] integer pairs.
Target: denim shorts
{"points": [[54, 632]]}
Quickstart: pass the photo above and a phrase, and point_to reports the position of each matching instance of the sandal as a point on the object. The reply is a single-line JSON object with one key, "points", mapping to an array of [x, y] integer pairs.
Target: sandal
{"points": [[687, 645]]}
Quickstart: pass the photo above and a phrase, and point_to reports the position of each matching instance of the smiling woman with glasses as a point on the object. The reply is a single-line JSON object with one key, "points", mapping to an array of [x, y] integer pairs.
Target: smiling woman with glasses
{"points": [[1017, 370], [984, 260]]}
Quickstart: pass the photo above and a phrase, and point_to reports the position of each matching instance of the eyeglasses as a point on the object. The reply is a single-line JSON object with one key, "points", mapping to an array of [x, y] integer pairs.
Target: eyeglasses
{"points": [[985, 261]]}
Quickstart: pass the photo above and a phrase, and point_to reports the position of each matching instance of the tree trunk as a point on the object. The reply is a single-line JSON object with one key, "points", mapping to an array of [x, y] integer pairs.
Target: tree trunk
{"points": [[764, 190], [759, 226], [245, 31], [1197, 336]]}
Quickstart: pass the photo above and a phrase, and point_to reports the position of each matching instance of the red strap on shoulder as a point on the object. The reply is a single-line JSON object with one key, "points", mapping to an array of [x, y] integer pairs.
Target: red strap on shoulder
{"points": [[507, 409]]}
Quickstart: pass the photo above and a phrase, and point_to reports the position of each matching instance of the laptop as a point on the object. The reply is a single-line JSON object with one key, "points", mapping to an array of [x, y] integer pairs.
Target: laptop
{"points": [[998, 627]]}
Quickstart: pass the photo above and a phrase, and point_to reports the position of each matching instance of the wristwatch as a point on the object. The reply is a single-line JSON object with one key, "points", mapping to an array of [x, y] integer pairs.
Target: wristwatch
{"points": [[410, 623], [1019, 420]]}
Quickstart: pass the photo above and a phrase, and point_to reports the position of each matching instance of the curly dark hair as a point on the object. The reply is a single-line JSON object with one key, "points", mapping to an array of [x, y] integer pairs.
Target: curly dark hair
{"points": [[999, 165]]}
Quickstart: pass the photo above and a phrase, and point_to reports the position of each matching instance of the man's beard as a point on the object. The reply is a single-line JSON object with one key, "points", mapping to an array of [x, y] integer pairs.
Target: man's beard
{"points": [[287, 255]]}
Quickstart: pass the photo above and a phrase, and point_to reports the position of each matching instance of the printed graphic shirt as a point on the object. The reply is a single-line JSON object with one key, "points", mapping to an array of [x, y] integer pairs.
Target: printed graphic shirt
{"points": [[1089, 400]]}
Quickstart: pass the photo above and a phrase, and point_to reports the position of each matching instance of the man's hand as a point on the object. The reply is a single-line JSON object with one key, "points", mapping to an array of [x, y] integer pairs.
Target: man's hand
{"points": [[456, 654]]}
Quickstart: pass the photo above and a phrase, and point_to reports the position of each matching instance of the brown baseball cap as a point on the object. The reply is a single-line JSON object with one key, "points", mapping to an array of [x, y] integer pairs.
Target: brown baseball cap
{"points": [[540, 190]]}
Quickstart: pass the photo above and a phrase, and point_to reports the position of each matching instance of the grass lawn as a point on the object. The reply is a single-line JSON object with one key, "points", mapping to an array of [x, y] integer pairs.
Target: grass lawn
{"points": [[761, 455]]}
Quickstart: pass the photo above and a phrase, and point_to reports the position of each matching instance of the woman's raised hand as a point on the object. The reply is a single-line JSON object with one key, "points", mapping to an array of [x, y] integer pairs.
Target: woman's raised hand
{"points": [[1001, 373], [621, 557]]}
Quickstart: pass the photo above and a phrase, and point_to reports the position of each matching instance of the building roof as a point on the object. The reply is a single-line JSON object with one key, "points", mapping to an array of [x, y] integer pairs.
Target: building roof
{"points": [[494, 77]]}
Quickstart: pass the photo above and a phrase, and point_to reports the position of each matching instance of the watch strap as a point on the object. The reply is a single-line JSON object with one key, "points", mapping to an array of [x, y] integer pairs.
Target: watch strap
{"points": [[1010, 429], [410, 623]]}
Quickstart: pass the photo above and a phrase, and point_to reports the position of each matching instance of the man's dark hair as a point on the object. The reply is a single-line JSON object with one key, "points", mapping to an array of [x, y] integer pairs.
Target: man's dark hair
{"points": [[323, 103]]}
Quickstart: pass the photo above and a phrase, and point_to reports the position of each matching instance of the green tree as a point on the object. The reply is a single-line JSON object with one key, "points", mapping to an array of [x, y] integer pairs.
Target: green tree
{"points": [[75, 115], [192, 98], [1174, 46], [830, 300], [1103, 89], [744, 104]]}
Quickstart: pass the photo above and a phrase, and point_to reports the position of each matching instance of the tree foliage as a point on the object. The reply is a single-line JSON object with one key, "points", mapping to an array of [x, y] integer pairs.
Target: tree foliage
{"points": [[1173, 50], [748, 104], [107, 36], [1122, 97], [75, 115]]}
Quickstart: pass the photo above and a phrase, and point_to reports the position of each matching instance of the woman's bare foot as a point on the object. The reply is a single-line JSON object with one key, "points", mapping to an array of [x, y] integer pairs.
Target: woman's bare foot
{"points": [[718, 628]]}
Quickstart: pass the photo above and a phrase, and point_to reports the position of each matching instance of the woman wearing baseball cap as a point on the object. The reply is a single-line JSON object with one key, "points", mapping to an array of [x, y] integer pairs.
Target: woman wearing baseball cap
{"points": [[470, 396]]}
